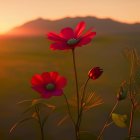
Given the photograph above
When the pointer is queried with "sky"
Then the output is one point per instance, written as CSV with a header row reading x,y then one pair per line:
x,y
16,12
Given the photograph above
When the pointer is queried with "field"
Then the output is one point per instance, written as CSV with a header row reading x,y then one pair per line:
x,y
21,58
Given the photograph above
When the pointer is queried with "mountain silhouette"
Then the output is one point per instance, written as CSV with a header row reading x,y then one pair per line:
x,y
40,26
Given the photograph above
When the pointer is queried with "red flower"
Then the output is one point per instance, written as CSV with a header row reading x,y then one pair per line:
x,y
70,39
48,84
95,73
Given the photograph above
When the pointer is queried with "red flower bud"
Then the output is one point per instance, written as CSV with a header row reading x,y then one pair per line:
x,y
95,73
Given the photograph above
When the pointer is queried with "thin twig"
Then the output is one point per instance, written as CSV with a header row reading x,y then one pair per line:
x,y
39,120
131,122
68,107
81,107
106,122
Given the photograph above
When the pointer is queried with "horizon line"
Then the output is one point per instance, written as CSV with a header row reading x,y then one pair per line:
x,y
78,16
60,18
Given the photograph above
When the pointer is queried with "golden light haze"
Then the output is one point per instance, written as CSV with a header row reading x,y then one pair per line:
x,y
17,12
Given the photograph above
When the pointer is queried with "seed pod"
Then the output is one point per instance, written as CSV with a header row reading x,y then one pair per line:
x,y
122,93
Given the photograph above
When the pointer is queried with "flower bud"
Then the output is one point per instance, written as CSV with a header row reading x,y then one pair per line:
x,y
95,73
122,93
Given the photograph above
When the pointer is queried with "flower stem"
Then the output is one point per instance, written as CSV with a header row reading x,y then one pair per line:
x,y
81,105
68,108
131,121
77,94
132,96
76,81
106,122
77,133
81,110
39,121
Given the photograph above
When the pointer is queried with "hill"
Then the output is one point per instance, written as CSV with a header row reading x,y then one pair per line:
x,y
40,26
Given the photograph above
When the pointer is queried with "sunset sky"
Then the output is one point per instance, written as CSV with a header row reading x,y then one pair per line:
x,y
17,12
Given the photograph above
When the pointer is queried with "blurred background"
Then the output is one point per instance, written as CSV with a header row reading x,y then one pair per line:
x,y
24,51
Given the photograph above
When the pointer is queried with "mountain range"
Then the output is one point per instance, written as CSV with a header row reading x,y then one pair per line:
x,y
40,26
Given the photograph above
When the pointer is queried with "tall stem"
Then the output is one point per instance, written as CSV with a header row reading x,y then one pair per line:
x,y
77,95
131,121
68,108
39,121
75,126
77,133
81,105
106,122
76,81
131,90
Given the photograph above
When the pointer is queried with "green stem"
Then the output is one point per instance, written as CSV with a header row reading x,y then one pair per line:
x,y
81,107
68,107
131,97
131,121
106,122
77,133
76,81
131,116
77,94
39,121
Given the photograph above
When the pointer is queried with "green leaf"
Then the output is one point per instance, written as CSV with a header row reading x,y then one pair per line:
x,y
18,123
119,120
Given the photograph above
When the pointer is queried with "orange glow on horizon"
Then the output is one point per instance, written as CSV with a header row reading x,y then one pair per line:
x,y
5,29
20,12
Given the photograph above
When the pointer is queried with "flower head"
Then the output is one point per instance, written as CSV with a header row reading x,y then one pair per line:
x,y
95,73
48,84
69,38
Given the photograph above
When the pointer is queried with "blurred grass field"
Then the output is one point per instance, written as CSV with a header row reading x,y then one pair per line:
x,y
21,58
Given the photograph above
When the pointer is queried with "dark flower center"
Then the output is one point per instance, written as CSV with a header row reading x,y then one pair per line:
x,y
50,86
72,41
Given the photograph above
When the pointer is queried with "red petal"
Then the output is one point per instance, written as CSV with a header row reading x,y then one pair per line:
x,y
59,46
54,75
79,28
37,80
89,34
48,95
39,89
84,41
46,77
57,92
55,37
67,33
95,73
61,82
